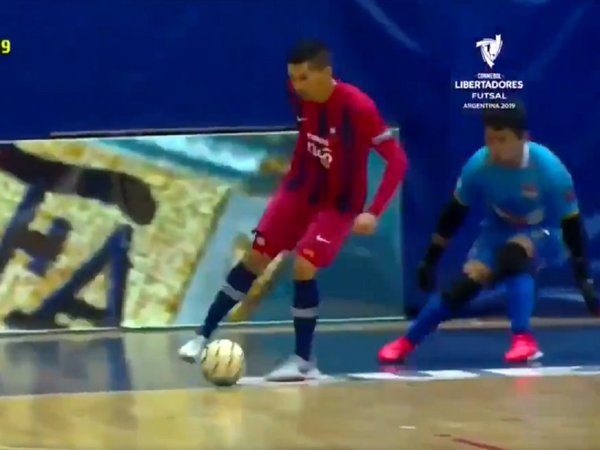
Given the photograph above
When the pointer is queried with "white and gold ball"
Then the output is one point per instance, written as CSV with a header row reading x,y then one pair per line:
x,y
222,362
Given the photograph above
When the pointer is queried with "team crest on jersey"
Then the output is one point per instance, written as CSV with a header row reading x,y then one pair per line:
x,y
320,148
530,191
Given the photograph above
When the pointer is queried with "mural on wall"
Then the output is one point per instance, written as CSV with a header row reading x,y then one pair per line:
x,y
95,234
132,231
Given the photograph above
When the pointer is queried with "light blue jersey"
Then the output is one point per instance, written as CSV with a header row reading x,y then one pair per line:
x,y
531,200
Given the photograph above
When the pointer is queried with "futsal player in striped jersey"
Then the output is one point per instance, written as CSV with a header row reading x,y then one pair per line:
x,y
320,201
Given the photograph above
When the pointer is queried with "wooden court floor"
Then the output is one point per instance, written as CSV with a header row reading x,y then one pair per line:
x,y
493,414
124,391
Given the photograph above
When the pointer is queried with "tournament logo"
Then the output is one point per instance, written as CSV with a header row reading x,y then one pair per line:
x,y
489,90
490,49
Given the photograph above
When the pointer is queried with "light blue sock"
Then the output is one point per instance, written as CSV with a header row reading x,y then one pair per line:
x,y
430,317
520,297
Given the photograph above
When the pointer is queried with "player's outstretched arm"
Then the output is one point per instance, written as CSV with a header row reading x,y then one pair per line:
x,y
451,219
575,238
564,202
455,212
395,169
372,128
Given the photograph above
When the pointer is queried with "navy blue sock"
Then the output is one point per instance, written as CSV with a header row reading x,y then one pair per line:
x,y
305,313
434,313
238,283
520,298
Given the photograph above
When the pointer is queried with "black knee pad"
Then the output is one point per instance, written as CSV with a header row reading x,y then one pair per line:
x,y
511,260
462,291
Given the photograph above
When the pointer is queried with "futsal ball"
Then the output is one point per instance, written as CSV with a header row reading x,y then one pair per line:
x,y
222,362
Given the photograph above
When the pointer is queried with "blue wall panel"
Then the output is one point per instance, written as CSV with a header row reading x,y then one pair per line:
x,y
165,64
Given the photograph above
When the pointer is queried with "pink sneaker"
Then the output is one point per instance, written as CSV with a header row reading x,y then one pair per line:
x,y
523,348
395,351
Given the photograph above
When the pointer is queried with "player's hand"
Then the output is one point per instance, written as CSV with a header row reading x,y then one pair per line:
x,y
365,224
590,296
426,277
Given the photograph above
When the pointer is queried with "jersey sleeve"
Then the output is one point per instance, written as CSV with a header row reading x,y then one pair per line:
x,y
467,188
371,125
560,190
380,137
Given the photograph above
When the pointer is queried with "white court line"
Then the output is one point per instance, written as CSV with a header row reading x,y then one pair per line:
x,y
350,378
184,326
262,325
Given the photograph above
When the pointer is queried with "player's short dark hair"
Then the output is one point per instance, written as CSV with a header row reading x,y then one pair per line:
x,y
503,118
313,52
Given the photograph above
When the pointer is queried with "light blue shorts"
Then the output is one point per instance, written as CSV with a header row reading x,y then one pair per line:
x,y
548,246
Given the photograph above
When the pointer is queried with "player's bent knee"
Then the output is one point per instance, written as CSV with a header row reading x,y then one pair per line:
x,y
304,269
524,242
511,260
256,262
463,290
478,271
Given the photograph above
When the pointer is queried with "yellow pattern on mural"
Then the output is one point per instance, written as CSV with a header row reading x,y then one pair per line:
x,y
163,254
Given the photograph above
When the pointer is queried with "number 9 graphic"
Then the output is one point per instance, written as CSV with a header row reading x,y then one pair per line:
x,y
5,47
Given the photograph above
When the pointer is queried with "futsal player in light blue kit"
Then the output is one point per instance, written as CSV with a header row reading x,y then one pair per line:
x,y
531,219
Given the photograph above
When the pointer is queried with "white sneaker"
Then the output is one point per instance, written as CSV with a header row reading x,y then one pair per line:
x,y
190,352
294,369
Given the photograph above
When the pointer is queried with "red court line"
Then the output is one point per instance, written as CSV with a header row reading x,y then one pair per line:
x,y
476,444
